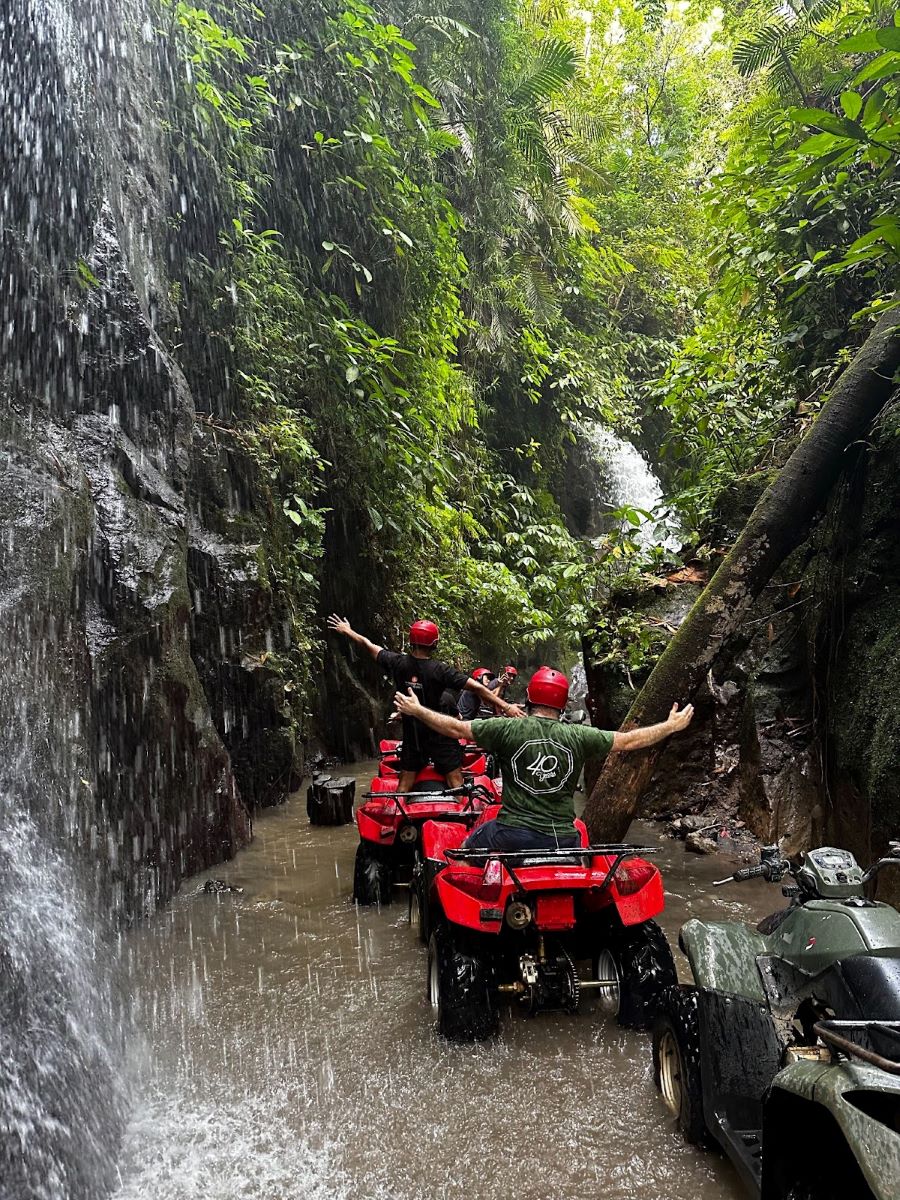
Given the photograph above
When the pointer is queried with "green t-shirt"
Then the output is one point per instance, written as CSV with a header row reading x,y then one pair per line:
x,y
541,761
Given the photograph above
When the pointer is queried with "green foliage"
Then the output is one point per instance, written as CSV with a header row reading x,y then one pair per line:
x,y
804,210
445,239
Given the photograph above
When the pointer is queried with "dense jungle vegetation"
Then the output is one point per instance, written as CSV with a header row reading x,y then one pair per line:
x,y
446,236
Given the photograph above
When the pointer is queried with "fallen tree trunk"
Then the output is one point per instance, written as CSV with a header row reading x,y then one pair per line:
x,y
778,524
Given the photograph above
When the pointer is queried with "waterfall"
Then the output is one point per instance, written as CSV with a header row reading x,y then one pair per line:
x,y
627,480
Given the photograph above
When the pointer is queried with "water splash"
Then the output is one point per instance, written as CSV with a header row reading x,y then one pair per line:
x,y
60,1102
221,1147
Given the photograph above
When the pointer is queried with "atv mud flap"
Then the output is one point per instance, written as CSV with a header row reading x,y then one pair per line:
x,y
740,1055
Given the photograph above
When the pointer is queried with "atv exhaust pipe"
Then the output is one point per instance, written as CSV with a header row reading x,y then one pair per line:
x,y
586,984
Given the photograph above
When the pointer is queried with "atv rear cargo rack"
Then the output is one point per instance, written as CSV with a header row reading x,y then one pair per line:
x,y
608,849
458,793
827,1031
561,856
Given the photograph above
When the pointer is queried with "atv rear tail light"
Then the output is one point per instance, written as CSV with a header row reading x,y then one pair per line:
x,y
492,879
632,876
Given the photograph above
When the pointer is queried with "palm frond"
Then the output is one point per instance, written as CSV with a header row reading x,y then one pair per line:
x,y
537,288
778,40
449,28
532,145
555,65
762,49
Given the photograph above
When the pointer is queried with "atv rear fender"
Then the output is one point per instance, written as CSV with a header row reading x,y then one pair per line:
x,y
642,905
723,957
440,836
848,1111
382,832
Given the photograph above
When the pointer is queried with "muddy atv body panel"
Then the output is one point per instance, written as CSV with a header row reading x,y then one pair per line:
x,y
539,930
786,1051
849,1107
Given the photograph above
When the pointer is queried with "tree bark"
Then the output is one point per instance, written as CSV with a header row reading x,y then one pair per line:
x,y
778,524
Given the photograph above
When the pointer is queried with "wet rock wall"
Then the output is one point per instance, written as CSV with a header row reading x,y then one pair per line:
x,y
139,626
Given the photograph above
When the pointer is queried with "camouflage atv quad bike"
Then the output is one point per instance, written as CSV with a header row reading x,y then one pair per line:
x,y
785,1050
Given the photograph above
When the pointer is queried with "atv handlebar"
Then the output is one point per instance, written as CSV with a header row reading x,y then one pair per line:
x,y
757,872
772,868
892,860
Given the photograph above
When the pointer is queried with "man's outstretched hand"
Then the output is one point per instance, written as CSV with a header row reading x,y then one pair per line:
x,y
340,625
679,719
406,705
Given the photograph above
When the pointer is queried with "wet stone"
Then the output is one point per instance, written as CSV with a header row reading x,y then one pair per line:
x,y
700,845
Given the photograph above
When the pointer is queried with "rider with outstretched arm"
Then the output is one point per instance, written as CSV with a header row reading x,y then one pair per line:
x,y
428,679
540,760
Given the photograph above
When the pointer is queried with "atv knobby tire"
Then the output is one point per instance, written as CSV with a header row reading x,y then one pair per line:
x,y
459,991
676,1060
645,969
419,921
373,878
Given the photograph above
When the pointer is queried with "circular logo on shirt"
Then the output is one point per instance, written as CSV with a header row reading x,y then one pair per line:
x,y
540,766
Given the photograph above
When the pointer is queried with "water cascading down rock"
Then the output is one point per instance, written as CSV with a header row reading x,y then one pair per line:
x,y
115,780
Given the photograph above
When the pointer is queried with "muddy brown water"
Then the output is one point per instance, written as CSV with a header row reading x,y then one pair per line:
x,y
283,1051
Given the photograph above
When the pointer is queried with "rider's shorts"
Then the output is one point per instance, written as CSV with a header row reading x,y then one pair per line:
x,y
446,754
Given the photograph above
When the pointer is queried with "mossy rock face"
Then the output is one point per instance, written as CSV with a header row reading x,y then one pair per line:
x,y
736,502
864,700
143,631
103,701
242,621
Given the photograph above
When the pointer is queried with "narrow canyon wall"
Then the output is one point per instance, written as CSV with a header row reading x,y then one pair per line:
x,y
139,623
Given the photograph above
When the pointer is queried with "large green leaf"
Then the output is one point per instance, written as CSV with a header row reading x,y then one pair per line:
x,y
873,39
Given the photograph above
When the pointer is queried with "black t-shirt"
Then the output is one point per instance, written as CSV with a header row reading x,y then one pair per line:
x,y
428,679
471,704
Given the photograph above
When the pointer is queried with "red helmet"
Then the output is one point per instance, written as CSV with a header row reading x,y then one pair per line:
x,y
423,633
548,688
511,672
479,673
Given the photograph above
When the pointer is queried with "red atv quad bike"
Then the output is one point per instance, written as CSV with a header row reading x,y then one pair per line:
x,y
538,928
390,824
475,761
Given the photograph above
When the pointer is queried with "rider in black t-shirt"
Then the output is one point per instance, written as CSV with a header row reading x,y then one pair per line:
x,y
428,680
469,703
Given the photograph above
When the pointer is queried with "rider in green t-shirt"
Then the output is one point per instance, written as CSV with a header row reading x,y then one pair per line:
x,y
540,760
